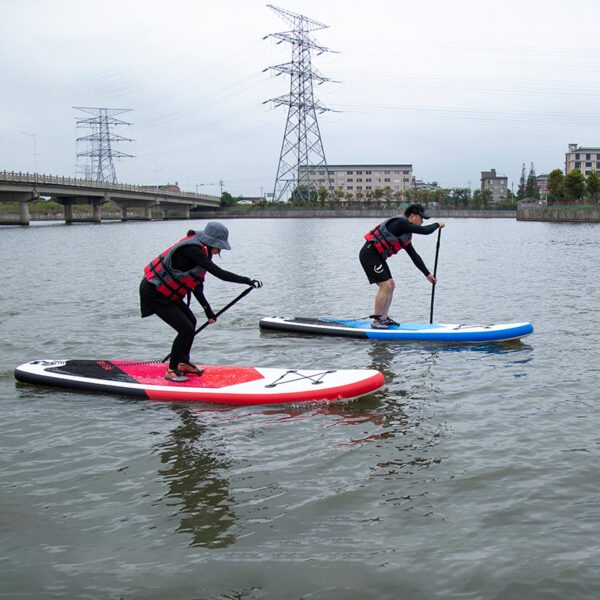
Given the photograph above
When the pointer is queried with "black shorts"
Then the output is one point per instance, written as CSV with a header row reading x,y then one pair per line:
x,y
376,268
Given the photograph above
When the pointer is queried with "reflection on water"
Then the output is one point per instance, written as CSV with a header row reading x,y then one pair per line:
x,y
200,476
194,476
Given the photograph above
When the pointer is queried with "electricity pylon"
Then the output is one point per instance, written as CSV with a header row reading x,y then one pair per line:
x,y
101,141
302,164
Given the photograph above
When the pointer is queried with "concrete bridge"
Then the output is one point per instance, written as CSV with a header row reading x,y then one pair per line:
x,y
68,191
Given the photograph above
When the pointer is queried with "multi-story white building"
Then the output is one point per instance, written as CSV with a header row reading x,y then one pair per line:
x,y
361,179
497,184
584,159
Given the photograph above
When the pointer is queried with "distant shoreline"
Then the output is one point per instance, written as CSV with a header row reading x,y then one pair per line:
x,y
525,212
84,216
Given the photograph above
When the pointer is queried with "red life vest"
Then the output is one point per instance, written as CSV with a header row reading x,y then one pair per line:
x,y
385,242
171,282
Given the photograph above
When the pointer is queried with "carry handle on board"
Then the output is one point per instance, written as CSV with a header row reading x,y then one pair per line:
x,y
437,251
218,314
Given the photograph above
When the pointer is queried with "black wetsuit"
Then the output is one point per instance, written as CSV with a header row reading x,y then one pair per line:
x,y
176,313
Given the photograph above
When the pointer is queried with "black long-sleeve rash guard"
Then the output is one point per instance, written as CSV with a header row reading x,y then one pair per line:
x,y
399,227
190,256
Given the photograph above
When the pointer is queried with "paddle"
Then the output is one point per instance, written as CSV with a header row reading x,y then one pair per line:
x,y
437,252
218,314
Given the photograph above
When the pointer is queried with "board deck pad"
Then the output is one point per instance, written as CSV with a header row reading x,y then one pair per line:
x,y
152,373
435,332
222,384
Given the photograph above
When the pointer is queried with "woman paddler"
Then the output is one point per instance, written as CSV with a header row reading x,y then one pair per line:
x,y
171,276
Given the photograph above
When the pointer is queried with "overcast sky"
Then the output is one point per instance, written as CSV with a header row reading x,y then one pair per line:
x,y
452,88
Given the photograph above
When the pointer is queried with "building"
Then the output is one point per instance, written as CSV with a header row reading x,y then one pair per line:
x,y
497,184
542,182
361,180
584,159
426,186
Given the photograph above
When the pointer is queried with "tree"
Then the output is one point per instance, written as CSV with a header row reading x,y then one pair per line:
x,y
378,194
532,189
441,196
227,199
322,194
387,192
593,186
460,196
338,195
574,185
555,186
486,197
303,195
521,194
415,195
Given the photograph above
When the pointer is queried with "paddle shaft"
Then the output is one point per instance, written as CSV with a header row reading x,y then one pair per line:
x,y
218,314
437,252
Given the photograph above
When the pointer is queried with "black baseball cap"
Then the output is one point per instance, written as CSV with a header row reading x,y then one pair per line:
x,y
416,209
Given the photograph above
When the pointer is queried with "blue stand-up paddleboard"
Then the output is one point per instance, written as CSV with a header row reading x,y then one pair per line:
x,y
423,332
221,384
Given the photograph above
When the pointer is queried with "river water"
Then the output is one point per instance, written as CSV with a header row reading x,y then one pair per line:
x,y
472,474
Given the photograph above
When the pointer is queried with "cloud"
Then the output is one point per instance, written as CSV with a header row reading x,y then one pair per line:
x,y
452,88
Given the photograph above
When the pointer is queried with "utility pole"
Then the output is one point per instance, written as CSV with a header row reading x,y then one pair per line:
x,y
101,140
302,165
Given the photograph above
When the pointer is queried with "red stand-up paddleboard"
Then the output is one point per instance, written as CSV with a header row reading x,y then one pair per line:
x,y
222,384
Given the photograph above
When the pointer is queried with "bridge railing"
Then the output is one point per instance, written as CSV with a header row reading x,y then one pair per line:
x,y
40,178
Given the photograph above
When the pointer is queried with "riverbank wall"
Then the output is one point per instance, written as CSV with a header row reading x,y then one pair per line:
x,y
557,213
525,212
275,212
342,213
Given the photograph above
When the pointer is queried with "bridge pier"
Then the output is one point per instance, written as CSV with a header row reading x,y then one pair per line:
x,y
146,207
96,212
24,212
68,204
24,198
179,212
69,201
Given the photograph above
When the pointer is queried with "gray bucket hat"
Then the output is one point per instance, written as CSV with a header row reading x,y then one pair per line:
x,y
215,235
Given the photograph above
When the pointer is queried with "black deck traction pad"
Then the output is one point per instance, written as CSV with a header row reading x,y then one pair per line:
x,y
312,320
303,325
95,369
